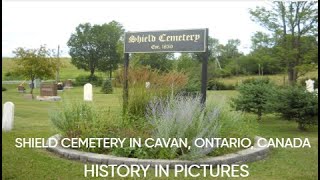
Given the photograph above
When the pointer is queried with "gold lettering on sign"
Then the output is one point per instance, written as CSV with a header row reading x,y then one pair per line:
x,y
164,38
141,39
178,38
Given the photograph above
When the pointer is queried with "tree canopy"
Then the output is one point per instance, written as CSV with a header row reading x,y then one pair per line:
x,y
35,63
291,24
96,47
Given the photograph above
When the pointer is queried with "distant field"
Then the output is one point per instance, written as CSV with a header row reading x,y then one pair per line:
x,y
68,71
279,79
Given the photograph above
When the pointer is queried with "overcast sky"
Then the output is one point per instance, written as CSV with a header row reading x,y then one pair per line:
x,y
33,23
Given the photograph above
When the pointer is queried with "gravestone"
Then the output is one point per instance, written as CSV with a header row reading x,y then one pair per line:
x,y
48,90
68,84
87,92
60,86
310,85
21,89
147,85
8,116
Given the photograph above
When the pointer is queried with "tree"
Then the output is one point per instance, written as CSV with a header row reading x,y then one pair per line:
x,y
254,96
96,47
186,63
297,104
264,54
289,22
214,48
159,61
261,40
35,63
230,54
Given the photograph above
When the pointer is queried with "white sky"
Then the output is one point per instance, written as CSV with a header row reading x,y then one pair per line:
x,y
32,23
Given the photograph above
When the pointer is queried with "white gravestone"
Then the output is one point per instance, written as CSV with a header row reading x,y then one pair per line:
x,y
8,116
147,85
87,94
309,85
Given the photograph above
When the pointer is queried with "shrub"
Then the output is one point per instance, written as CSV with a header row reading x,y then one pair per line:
x,y
82,120
295,103
217,85
107,87
12,76
185,117
4,89
161,85
264,80
140,75
192,88
140,97
83,79
254,96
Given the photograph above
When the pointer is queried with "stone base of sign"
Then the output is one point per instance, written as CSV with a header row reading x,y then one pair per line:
x,y
48,98
251,154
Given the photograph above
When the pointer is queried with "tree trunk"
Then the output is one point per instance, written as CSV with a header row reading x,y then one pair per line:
x,y
292,75
110,75
91,72
301,126
259,114
32,87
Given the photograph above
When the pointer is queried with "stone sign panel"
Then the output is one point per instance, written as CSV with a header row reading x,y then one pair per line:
x,y
193,40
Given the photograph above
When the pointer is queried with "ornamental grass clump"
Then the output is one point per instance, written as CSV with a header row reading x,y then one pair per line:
x,y
184,117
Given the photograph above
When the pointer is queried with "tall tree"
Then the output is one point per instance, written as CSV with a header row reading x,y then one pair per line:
x,y
96,47
111,49
159,61
214,48
264,53
230,55
35,63
289,22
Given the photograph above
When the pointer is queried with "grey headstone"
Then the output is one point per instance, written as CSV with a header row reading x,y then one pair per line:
x,y
8,116
87,92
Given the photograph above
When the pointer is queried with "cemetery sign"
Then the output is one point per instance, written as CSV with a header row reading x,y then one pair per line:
x,y
193,40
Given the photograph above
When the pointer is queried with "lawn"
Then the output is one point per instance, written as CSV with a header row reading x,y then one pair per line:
x,y
32,120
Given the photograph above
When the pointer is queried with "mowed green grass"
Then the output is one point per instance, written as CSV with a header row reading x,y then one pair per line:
x,y
32,120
